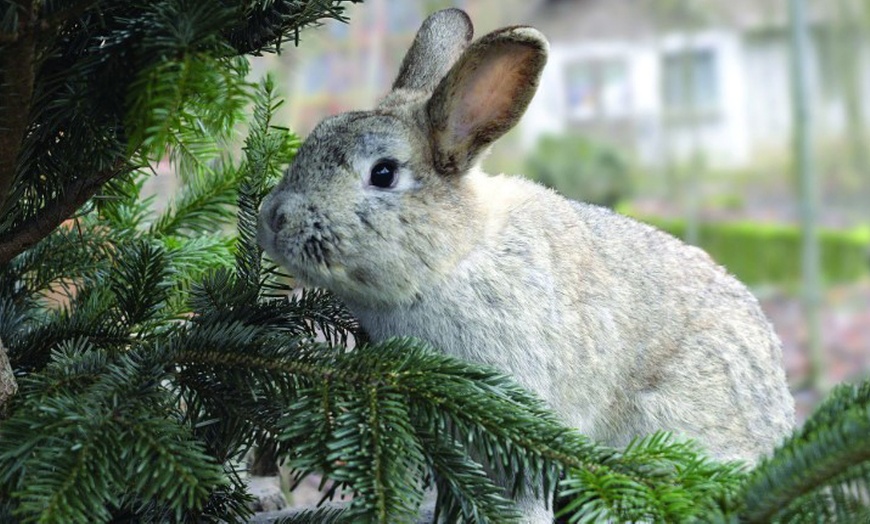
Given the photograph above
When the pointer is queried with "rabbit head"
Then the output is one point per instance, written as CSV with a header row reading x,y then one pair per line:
x,y
374,206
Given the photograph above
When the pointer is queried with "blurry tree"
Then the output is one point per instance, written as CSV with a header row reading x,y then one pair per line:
x,y
808,190
581,169
850,23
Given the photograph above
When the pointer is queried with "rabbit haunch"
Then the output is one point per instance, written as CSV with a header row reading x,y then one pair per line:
x,y
621,328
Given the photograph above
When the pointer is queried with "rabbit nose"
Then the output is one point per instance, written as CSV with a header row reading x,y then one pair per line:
x,y
277,219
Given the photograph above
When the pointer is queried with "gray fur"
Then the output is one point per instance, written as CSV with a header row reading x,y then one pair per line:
x,y
439,43
621,328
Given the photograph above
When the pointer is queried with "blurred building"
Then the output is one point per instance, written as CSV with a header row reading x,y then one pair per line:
x,y
674,79
340,67
669,80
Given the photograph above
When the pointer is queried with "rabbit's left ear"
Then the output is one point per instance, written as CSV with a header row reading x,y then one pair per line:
x,y
484,95
440,41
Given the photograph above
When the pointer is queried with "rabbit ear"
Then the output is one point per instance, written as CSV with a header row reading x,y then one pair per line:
x,y
440,41
484,95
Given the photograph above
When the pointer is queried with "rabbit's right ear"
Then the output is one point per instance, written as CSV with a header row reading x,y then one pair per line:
x,y
440,41
484,95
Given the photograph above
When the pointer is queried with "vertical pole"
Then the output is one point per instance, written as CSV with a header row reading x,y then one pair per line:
x,y
849,59
808,189
375,44
694,114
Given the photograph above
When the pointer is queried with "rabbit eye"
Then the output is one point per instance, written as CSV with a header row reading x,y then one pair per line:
x,y
384,174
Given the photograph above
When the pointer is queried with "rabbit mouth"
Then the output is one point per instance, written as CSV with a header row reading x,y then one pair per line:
x,y
310,252
306,259
313,251
293,253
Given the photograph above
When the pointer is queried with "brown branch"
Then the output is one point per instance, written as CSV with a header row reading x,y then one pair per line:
x,y
74,195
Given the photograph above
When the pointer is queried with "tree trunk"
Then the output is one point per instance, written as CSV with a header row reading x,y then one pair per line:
x,y
8,386
808,190
849,58
16,89
265,461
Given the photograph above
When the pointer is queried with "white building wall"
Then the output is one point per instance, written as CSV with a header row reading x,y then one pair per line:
x,y
724,138
768,99
720,137
546,112
549,111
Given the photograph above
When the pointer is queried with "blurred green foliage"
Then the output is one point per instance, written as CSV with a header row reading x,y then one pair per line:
x,y
581,169
770,253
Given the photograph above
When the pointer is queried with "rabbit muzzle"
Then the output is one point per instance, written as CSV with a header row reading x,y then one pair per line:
x,y
295,233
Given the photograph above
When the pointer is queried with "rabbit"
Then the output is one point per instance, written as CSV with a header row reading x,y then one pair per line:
x,y
622,329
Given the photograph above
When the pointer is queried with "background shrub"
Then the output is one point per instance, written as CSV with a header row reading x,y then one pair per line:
x,y
770,253
581,169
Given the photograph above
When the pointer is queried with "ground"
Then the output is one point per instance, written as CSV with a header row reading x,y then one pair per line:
x,y
845,333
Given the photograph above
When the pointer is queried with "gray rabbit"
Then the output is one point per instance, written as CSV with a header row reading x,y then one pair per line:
x,y
621,328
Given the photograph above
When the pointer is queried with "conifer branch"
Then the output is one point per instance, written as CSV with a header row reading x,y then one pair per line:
x,y
832,448
47,219
267,23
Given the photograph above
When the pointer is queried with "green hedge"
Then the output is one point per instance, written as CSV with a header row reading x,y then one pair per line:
x,y
771,253
580,168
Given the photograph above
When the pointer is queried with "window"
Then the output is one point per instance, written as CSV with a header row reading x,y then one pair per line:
x,y
690,83
597,89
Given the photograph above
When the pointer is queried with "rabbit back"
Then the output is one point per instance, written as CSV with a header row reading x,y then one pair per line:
x,y
622,328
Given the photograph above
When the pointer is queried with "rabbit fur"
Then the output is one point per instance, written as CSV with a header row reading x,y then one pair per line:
x,y
621,328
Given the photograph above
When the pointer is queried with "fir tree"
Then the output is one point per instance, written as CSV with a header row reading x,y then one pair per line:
x,y
152,350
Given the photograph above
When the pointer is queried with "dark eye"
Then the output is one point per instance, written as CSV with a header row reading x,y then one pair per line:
x,y
384,174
